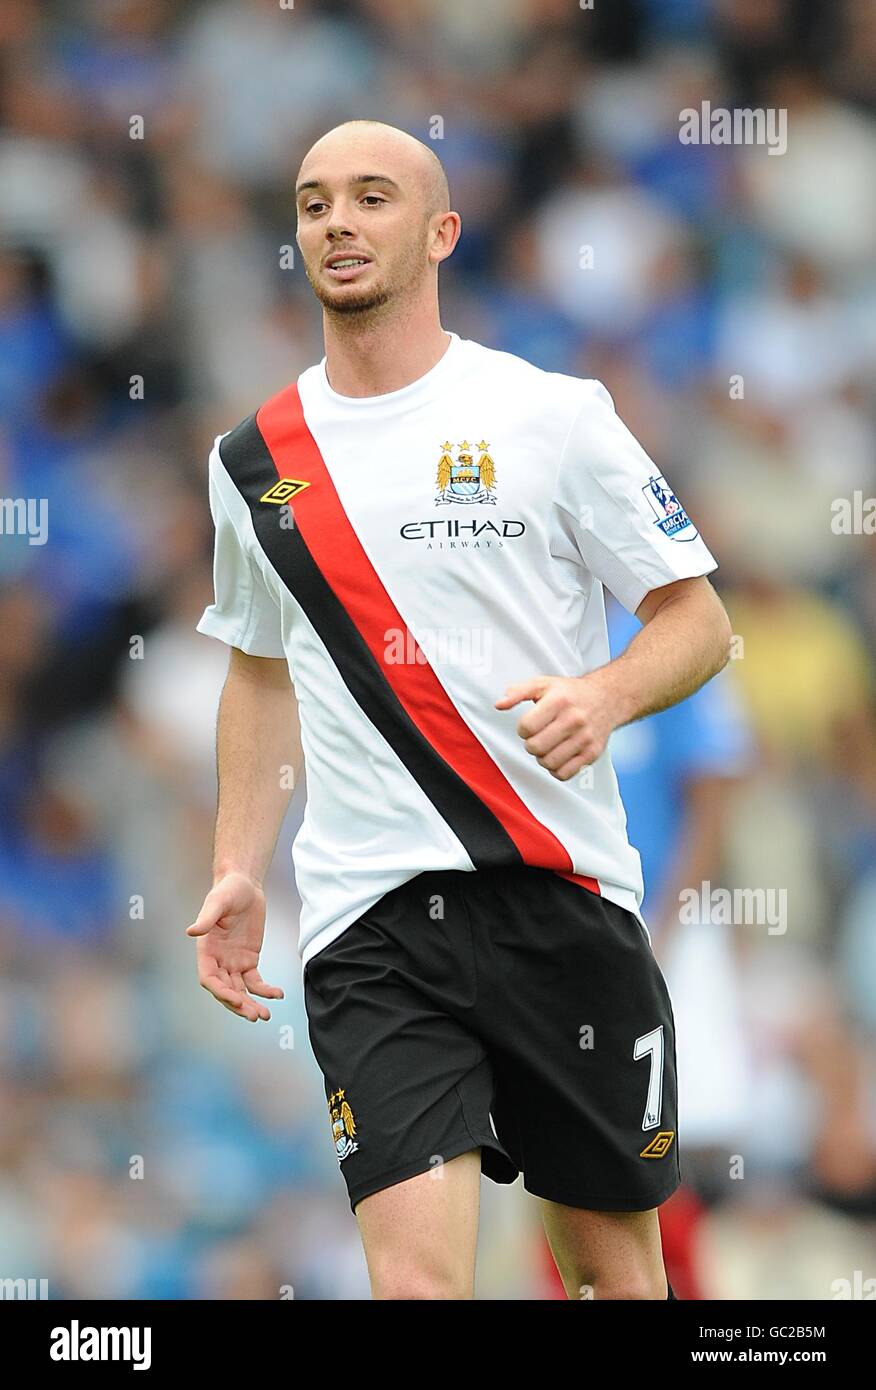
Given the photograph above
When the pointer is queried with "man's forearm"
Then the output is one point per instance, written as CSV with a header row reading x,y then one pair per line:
x,y
684,644
258,743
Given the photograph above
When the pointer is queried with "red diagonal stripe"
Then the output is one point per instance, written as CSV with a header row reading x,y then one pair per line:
x,y
335,548
585,882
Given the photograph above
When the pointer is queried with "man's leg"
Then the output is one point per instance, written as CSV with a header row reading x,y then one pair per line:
x,y
606,1254
420,1235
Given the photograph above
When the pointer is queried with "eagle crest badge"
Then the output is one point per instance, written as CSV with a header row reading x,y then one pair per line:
x,y
464,478
343,1125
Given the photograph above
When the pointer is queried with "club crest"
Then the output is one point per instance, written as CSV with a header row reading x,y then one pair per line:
x,y
464,478
343,1125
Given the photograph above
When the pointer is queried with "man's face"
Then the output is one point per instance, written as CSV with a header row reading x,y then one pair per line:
x,y
358,204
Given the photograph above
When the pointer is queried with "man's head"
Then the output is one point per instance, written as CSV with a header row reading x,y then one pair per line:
x,y
371,193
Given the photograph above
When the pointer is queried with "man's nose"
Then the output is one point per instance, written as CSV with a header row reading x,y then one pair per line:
x,y
341,222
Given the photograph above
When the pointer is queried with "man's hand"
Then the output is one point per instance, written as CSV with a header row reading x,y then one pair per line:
x,y
230,929
685,640
570,723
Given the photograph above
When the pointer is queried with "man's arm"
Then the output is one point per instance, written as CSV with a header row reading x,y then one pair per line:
x,y
684,642
258,743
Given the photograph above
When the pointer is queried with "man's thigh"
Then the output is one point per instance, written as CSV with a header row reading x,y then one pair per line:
x,y
420,1236
606,1254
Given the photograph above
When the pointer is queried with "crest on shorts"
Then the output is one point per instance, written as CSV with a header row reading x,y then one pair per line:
x,y
343,1125
672,519
660,1145
465,478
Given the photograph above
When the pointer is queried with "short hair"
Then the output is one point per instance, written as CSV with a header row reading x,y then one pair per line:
x,y
435,177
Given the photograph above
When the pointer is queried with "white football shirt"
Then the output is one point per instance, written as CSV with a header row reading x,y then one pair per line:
x,y
411,555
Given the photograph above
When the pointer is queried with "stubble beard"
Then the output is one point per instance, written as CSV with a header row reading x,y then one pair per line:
x,y
366,305
345,306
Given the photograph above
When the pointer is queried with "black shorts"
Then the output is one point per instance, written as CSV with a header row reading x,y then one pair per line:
x,y
509,1010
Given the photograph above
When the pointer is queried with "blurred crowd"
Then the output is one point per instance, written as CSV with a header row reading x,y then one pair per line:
x,y
151,296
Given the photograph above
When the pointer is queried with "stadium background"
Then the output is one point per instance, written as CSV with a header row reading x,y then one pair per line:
x,y
161,258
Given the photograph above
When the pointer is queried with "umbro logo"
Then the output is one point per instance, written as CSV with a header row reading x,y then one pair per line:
x,y
659,1145
283,490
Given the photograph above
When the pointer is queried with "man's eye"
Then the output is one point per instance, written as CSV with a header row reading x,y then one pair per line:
x,y
314,207
373,198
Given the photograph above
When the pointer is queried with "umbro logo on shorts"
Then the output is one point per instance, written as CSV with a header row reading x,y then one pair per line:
x,y
659,1145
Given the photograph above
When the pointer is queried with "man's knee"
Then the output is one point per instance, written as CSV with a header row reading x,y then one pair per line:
x,y
628,1284
412,1281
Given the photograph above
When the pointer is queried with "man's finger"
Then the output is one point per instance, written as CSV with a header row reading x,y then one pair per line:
x,y
233,1000
200,928
544,718
245,1011
217,905
543,731
569,769
204,923
561,753
256,985
225,993
260,1010
526,690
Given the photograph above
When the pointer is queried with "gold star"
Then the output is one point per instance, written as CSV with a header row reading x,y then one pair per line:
x,y
447,446
465,444
483,446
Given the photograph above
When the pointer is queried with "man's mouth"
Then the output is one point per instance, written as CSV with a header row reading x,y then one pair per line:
x,y
345,267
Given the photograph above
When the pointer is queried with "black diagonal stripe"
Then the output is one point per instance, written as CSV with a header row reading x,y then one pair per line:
x,y
248,462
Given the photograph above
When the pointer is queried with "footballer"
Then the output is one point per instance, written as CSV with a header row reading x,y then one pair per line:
x,y
411,547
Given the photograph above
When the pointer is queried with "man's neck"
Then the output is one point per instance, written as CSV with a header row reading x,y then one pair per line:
x,y
372,359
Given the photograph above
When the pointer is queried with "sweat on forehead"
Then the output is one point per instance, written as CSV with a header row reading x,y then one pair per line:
x,y
400,153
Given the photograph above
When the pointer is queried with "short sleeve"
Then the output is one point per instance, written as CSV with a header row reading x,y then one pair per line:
x,y
244,613
621,513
